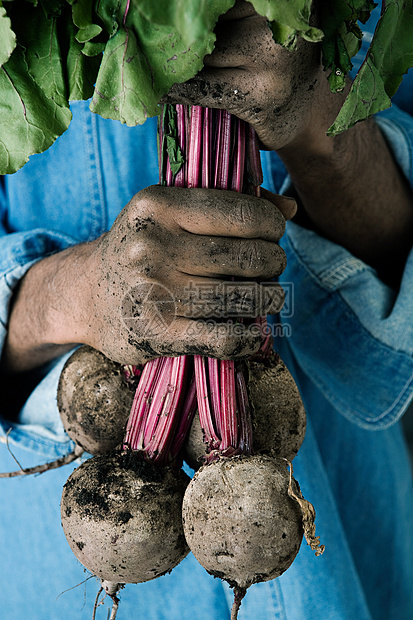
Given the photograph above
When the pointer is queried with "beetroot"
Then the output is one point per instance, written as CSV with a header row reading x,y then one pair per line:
x,y
278,414
122,517
94,400
240,522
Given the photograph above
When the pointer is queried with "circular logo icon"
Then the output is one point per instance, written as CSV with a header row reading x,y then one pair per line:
x,y
148,309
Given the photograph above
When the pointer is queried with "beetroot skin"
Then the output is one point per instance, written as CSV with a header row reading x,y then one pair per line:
x,y
240,522
94,400
122,517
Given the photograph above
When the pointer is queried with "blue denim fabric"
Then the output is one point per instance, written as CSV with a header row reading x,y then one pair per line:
x,y
345,336
359,317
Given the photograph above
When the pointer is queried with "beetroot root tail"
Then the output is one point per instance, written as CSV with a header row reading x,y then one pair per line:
x,y
239,594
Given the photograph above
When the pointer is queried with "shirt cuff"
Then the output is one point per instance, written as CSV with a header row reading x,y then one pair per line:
x,y
18,252
38,426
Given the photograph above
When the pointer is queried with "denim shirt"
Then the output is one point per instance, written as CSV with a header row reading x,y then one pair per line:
x,y
346,337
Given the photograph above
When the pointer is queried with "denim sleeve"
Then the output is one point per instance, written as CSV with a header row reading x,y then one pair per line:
x,y
18,252
42,429
353,334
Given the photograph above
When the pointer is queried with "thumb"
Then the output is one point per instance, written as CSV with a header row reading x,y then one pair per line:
x,y
286,205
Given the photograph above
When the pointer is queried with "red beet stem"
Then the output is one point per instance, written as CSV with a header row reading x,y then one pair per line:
x,y
223,150
245,441
237,182
141,404
187,415
215,392
181,112
211,437
206,148
195,147
229,414
168,417
162,393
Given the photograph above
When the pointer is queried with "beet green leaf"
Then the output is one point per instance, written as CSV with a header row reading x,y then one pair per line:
x,y
389,57
126,54
7,37
29,121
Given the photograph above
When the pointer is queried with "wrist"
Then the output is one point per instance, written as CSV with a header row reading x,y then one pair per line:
x,y
312,144
68,279
49,310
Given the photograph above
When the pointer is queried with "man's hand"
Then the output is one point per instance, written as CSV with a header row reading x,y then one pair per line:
x,y
274,89
349,188
141,290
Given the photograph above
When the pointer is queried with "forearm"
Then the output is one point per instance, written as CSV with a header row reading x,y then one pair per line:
x,y
47,317
352,191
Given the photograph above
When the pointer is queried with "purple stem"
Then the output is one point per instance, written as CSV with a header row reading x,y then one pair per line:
x,y
159,396
187,415
126,13
168,418
239,165
223,151
168,174
161,152
229,421
141,401
206,148
181,111
215,392
140,439
205,418
217,128
195,147
245,441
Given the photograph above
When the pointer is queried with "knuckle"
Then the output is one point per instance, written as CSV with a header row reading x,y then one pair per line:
x,y
227,348
144,205
235,345
141,221
137,255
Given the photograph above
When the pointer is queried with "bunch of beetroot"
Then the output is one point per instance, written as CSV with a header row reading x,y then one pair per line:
x,y
130,514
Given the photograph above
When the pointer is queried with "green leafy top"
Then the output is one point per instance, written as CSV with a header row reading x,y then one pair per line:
x,y
125,54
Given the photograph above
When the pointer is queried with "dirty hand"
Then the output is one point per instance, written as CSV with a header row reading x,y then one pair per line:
x,y
166,264
277,91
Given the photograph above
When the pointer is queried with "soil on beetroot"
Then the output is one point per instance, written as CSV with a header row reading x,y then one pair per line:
x,y
278,415
239,520
122,517
94,400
